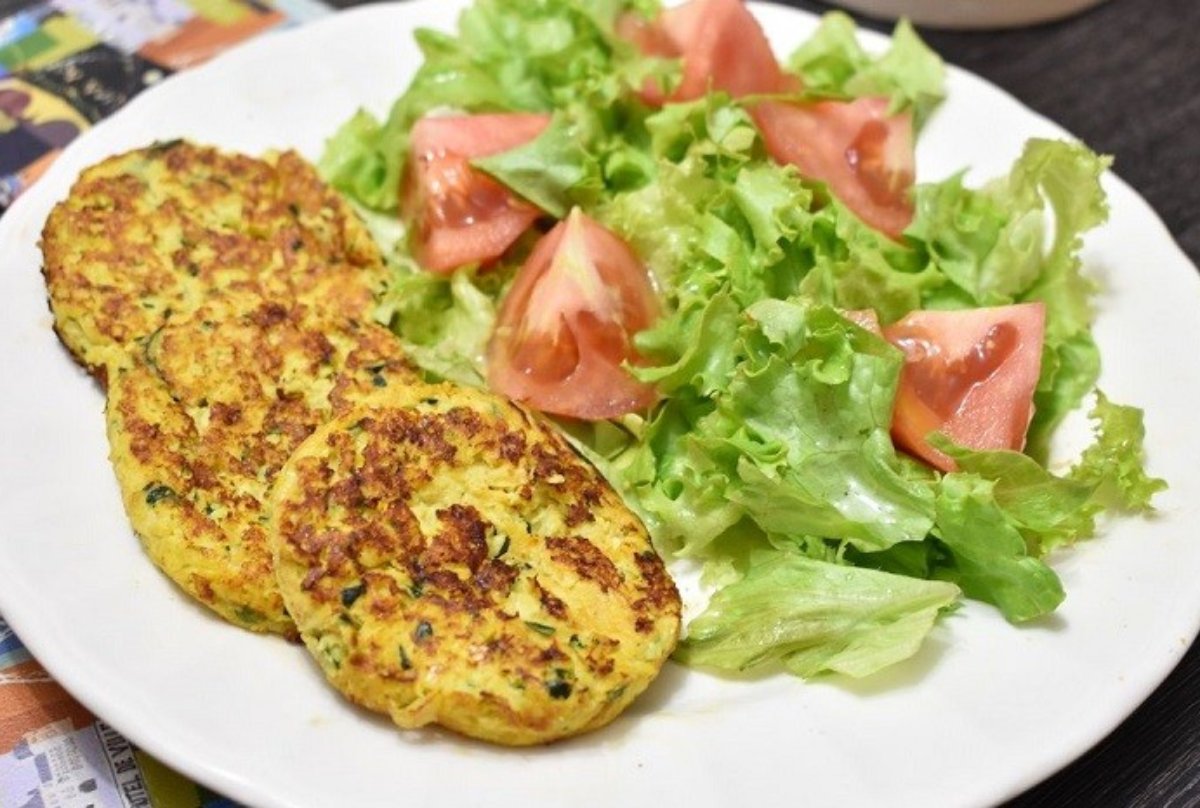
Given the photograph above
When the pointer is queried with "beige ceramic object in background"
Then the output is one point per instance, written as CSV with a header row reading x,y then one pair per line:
x,y
971,13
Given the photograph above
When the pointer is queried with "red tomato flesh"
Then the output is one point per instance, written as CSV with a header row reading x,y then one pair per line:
x,y
721,44
566,325
460,215
969,374
863,154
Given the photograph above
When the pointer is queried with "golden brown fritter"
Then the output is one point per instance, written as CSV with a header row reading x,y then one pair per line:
x,y
449,559
161,230
204,416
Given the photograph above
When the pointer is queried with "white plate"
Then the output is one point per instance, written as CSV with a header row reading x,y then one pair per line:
x,y
982,712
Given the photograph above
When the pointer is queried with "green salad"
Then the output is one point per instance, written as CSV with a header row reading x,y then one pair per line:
x,y
767,449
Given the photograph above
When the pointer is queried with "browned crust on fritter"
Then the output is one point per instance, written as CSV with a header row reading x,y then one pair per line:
x,y
204,417
159,231
433,572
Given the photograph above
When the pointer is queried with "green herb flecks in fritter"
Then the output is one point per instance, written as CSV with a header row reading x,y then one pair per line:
x,y
159,231
204,417
450,560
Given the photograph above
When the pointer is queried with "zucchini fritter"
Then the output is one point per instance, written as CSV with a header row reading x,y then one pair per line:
x,y
160,230
448,559
203,417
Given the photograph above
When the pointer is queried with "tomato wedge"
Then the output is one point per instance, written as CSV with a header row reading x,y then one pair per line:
x,y
566,325
721,44
459,214
969,374
863,154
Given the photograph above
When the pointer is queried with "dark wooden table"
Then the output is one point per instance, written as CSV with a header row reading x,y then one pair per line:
x,y
1125,78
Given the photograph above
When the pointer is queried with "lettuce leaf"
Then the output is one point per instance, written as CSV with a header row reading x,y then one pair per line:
x,y
833,63
720,211
988,556
1009,491
444,324
795,440
815,617
554,171
1114,461
1049,509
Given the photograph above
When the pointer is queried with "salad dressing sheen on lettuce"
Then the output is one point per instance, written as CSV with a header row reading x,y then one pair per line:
x,y
768,456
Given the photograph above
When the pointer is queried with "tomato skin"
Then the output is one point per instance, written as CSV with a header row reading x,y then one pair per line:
x,y
863,154
969,374
567,323
721,44
459,214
